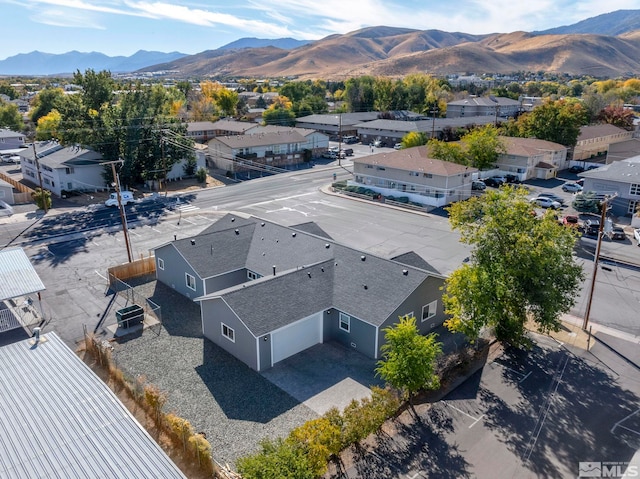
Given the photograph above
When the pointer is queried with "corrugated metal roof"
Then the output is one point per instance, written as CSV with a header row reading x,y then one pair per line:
x,y
58,419
17,276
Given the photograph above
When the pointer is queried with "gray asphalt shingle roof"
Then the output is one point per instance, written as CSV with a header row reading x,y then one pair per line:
x,y
624,171
312,274
58,419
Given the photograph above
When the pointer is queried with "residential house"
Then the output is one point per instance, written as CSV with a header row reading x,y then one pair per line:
x,y
11,142
200,152
316,143
594,141
279,149
390,132
412,173
621,178
6,192
201,131
268,291
72,168
226,127
623,150
531,158
336,124
494,106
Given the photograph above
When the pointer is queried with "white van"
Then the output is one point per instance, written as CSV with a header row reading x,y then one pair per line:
x,y
126,197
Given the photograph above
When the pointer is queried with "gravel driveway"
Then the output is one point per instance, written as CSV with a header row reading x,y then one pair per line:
x,y
219,395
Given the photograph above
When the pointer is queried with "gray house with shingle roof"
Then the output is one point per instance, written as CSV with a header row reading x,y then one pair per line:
x,y
268,292
621,178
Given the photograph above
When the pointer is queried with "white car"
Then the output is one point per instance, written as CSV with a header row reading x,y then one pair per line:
x,y
126,197
544,202
636,235
572,187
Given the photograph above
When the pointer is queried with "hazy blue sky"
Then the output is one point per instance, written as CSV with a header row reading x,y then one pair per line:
x,y
122,27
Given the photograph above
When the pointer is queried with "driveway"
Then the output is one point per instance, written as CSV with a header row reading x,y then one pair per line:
x,y
325,376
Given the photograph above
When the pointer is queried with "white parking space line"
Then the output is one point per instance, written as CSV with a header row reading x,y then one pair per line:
x,y
619,424
475,419
156,230
517,373
189,221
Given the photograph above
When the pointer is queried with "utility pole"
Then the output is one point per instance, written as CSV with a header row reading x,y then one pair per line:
x,y
123,217
35,157
339,139
164,164
603,217
433,112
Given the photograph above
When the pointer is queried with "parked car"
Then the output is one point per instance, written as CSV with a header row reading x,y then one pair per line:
x,y
591,227
553,196
571,221
617,233
478,185
126,197
593,167
349,140
572,187
544,202
495,181
515,179
346,152
331,155
576,169
636,235
379,144
397,146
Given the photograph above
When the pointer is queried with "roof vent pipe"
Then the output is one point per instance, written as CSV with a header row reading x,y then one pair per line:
x,y
274,269
193,242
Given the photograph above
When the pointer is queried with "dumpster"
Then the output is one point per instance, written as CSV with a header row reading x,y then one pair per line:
x,y
130,316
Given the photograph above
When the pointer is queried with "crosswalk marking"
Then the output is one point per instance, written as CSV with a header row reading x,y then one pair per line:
x,y
185,208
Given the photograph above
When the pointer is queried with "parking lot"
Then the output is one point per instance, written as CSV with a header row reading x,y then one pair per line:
x,y
535,414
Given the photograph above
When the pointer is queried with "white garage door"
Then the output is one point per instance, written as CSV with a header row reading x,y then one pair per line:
x,y
296,337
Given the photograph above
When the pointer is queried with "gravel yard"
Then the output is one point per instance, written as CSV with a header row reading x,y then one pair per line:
x,y
219,395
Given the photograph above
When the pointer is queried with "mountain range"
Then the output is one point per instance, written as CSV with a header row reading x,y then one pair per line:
x,y
604,46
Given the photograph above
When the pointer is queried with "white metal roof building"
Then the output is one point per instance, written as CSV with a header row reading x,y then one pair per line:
x,y
59,420
17,275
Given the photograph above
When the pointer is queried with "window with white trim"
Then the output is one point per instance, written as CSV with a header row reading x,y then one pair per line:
x,y
251,275
632,208
191,281
634,189
345,322
160,263
228,332
429,310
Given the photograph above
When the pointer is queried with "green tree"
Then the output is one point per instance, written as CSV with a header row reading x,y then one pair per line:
x,y
521,268
279,459
448,151
42,198
97,88
320,439
408,358
414,138
45,101
558,121
10,117
48,126
483,146
275,115
10,91
227,101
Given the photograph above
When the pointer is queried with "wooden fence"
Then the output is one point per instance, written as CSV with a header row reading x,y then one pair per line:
x,y
135,269
24,192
